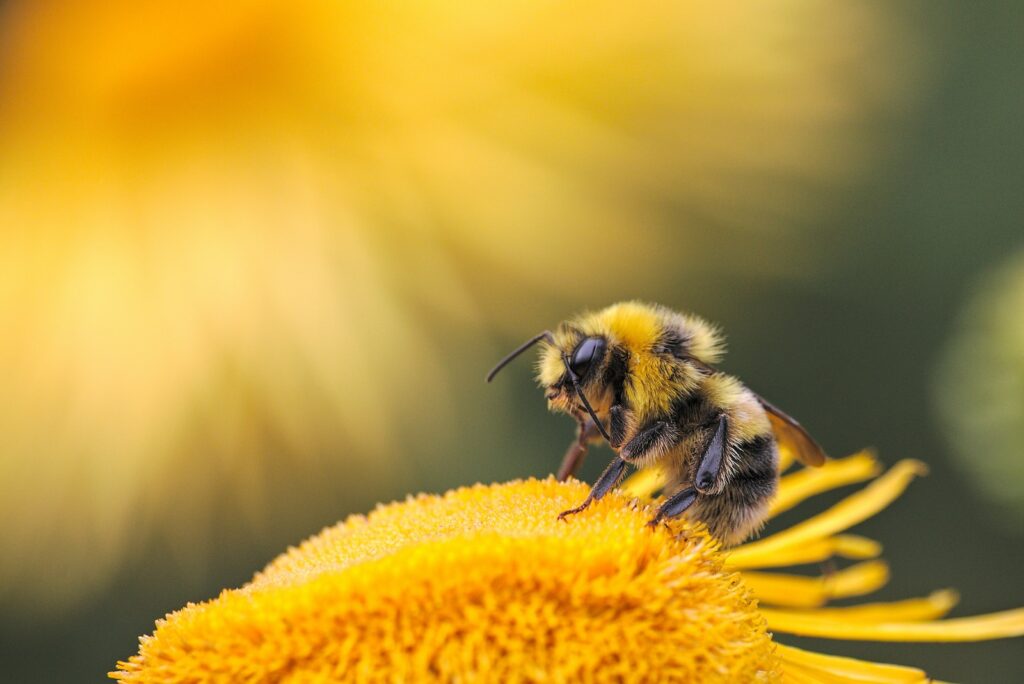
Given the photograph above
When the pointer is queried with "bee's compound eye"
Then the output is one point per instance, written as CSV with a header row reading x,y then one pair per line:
x,y
585,353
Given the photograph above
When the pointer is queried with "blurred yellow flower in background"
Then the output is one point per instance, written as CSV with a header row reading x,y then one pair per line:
x,y
231,233
980,391
486,584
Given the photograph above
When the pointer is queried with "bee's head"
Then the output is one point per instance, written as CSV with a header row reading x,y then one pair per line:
x,y
570,370
575,360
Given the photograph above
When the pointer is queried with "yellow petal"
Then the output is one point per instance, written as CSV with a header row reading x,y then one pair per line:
x,y
844,545
827,677
807,592
936,605
1008,623
848,512
796,675
805,483
786,458
644,483
834,668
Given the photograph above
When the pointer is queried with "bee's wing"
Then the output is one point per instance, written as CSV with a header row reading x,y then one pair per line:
x,y
790,434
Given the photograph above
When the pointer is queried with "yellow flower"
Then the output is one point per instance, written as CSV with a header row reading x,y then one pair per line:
x,y
247,227
484,584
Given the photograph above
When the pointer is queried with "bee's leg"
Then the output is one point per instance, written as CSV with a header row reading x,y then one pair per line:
x,y
707,475
571,461
609,478
577,451
675,505
711,460
617,422
653,440
738,504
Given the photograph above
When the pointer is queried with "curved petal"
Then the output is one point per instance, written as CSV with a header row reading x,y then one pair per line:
x,y
853,509
1002,625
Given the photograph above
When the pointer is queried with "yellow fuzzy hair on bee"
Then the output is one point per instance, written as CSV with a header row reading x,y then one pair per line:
x,y
641,326
643,377
642,330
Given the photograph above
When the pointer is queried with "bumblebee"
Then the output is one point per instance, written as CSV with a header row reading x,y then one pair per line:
x,y
643,378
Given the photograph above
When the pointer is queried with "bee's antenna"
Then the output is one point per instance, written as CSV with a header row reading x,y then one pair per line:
x,y
550,339
583,398
546,336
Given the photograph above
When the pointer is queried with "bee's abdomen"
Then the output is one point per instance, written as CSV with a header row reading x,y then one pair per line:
x,y
757,459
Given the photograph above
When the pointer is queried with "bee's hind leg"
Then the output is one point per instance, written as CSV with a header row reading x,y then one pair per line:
x,y
711,461
675,506
707,475
609,478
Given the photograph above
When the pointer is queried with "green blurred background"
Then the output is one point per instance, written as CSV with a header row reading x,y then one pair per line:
x,y
257,258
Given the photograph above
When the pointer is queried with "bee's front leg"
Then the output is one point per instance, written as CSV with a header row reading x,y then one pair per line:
x,y
650,443
577,451
618,423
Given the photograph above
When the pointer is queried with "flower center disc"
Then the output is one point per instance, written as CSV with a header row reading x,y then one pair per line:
x,y
481,583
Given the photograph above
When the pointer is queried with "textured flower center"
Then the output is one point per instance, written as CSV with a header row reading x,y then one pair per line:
x,y
483,583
